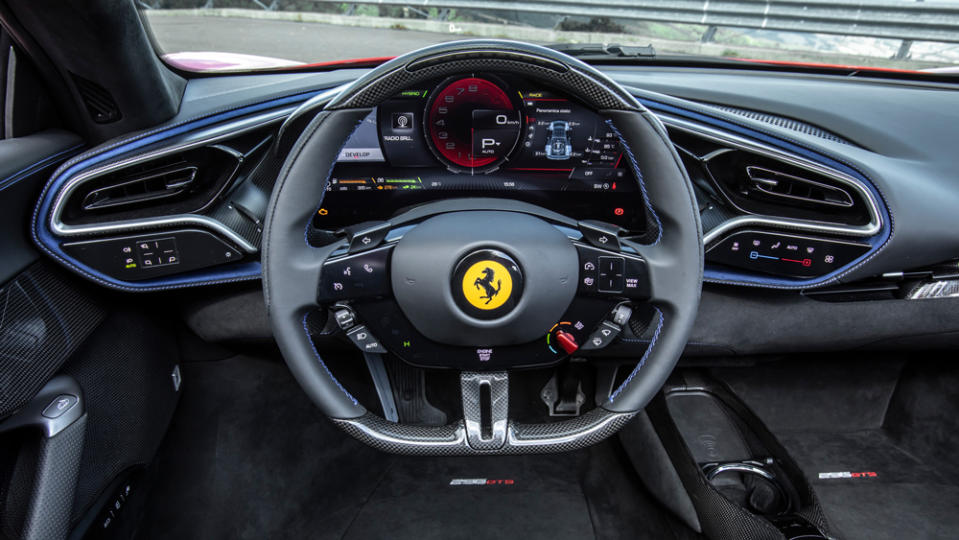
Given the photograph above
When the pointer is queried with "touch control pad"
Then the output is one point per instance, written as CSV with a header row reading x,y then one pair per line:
x,y
154,252
134,258
608,273
784,254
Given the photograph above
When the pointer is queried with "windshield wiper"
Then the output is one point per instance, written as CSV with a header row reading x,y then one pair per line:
x,y
604,50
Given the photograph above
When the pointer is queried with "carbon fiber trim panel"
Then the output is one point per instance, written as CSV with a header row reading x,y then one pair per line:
x,y
472,384
580,432
489,55
43,319
52,485
263,176
784,122
231,218
450,440
714,216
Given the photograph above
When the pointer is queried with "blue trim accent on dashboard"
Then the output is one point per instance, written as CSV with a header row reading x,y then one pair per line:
x,y
46,240
744,278
38,166
251,270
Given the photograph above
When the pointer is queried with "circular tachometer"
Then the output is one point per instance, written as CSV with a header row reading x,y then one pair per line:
x,y
472,125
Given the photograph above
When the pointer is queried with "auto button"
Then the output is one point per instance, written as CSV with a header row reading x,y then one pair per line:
x,y
365,341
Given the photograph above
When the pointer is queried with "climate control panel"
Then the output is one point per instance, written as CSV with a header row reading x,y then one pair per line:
x,y
782,254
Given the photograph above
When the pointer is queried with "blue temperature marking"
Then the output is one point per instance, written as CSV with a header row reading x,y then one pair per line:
x,y
755,255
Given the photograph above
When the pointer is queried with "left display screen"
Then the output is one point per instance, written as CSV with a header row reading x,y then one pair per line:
x,y
482,135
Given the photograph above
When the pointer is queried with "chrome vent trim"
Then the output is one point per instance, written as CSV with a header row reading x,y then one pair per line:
x,y
171,180
203,137
873,227
770,183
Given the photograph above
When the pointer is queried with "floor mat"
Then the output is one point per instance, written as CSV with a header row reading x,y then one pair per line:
x,y
249,456
515,497
871,488
876,478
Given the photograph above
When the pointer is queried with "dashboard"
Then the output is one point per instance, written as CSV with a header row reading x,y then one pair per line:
x,y
483,135
896,162
816,187
186,206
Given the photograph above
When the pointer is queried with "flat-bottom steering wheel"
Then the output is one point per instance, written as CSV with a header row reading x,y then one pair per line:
x,y
517,239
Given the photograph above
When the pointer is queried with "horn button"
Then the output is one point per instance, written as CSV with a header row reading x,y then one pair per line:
x,y
484,278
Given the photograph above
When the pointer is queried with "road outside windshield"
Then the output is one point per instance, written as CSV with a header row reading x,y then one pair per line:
x,y
239,35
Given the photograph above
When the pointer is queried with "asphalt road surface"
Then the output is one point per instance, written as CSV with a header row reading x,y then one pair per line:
x,y
303,42
317,42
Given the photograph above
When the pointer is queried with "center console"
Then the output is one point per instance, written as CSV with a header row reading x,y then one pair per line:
x,y
708,458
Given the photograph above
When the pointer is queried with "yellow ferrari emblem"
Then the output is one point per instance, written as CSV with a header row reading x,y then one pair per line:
x,y
487,285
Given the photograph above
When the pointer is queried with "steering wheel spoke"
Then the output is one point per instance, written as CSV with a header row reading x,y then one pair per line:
x,y
659,279
485,408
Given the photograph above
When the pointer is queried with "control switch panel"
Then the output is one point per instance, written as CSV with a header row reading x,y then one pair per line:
x,y
135,258
784,255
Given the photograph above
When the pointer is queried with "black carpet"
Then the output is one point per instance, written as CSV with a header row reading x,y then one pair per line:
x,y
529,497
907,498
249,456
884,422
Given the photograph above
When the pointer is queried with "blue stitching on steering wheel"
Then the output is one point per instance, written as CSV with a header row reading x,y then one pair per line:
x,y
642,361
326,181
639,178
322,363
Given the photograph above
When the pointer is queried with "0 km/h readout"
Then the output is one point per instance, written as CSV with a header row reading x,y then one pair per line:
x,y
472,125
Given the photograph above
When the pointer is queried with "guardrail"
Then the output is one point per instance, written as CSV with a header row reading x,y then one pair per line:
x,y
904,20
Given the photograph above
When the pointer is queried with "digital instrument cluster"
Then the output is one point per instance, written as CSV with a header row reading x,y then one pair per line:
x,y
482,135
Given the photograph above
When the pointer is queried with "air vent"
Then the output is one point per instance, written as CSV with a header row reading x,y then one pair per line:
x,y
795,190
157,184
178,183
100,104
739,180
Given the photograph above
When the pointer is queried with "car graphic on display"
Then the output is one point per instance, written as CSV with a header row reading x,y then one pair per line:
x,y
558,146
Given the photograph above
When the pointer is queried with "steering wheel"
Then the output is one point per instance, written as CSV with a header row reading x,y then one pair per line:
x,y
420,273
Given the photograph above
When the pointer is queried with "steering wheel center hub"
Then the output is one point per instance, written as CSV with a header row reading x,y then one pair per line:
x,y
487,284
484,278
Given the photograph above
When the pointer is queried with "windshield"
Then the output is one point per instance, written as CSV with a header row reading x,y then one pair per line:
x,y
241,35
